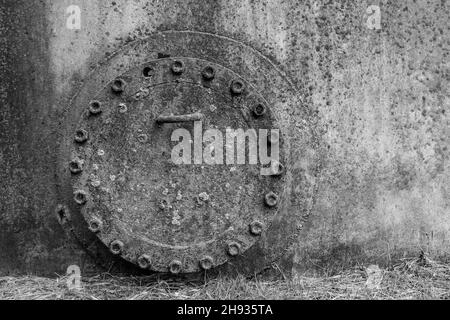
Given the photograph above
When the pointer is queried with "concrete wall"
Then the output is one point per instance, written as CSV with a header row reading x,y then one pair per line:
x,y
382,96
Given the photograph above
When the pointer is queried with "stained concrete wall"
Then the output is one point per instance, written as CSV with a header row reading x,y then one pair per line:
x,y
381,94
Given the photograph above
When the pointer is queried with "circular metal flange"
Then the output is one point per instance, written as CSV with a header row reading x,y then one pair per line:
x,y
154,204
167,216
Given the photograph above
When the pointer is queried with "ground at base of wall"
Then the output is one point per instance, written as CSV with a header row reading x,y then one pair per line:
x,y
412,279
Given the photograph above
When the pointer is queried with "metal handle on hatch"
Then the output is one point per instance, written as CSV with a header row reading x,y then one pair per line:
x,y
180,118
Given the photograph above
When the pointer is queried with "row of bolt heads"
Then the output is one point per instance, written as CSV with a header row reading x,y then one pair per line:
x,y
175,266
233,248
237,87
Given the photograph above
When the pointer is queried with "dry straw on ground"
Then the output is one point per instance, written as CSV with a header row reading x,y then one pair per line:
x,y
412,279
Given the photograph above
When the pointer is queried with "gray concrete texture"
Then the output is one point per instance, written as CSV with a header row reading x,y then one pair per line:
x,y
381,94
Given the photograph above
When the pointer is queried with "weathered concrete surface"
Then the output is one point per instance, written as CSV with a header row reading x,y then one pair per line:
x,y
382,97
30,238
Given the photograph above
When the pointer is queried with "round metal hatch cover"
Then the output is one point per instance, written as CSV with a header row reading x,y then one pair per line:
x,y
170,210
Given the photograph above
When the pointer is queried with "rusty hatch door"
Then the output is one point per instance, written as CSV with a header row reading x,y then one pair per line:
x,y
122,188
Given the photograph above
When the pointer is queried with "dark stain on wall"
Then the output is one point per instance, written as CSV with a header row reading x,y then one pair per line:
x,y
30,239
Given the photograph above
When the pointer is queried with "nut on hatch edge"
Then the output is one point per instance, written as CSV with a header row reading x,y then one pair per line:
x,y
80,197
208,73
206,263
237,87
118,85
95,225
95,107
233,249
76,166
271,199
144,261
256,228
81,136
116,247
259,110
177,67
175,267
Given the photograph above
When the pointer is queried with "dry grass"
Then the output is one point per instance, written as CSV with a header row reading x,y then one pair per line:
x,y
412,279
